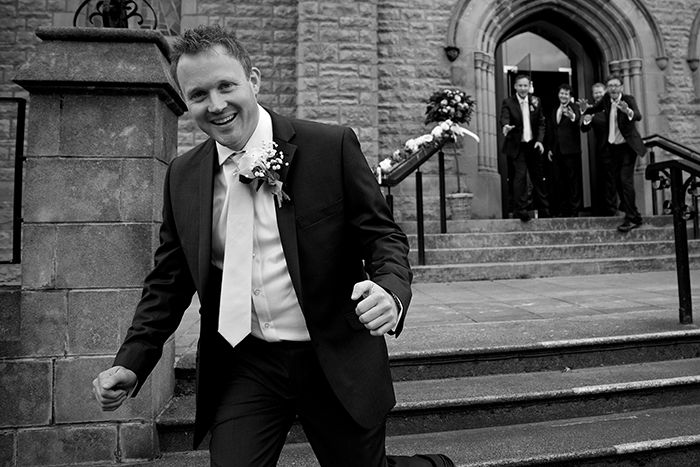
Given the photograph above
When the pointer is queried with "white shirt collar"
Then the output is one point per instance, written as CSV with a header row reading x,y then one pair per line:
x,y
521,100
262,132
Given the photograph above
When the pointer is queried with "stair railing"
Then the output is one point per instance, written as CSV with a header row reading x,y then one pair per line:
x,y
669,174
403,170
17,193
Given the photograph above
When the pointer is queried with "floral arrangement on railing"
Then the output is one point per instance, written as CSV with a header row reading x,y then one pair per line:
x,y
449,107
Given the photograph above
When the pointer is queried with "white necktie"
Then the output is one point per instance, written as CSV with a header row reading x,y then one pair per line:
x,y
235,306
613,123
527,129
559,113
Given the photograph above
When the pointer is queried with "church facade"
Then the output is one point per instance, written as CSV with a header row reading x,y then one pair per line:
x,y
372,64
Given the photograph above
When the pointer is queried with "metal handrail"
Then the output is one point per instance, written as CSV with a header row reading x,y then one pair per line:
x,y
669,174
414,166
675,148
17,196
679,150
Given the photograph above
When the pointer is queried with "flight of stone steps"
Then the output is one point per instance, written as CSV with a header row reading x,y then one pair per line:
x,y
606,389
620,389
511,249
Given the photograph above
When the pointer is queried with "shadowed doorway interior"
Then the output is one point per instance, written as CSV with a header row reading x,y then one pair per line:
x,y
553,51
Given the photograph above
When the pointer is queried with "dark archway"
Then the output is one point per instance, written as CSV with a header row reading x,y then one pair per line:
x,y
587,63
604,36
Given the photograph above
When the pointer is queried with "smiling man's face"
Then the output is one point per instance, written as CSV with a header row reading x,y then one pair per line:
x,y
219,95
522,87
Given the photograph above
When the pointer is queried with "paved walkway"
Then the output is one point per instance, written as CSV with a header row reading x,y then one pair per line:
x,y
522,299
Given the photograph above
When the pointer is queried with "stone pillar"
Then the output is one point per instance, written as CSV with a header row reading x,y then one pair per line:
x,y
102,128
486,181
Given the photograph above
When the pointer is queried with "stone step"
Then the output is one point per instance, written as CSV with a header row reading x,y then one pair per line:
x,y
512,254
545,268
447,404
447,354
666,437
495,400
659,437
460,349
550,224
540,238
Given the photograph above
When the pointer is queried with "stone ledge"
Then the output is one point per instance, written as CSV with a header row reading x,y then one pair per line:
x,y
47,33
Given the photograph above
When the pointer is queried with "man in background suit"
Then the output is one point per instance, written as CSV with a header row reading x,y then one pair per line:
x,y
327,277
523,124
624,144
597,123
564,140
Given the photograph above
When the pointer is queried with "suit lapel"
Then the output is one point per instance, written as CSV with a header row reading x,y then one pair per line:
x,y
207,167
283,131
516,103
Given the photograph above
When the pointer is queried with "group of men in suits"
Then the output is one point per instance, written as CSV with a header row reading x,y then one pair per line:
x,y
613,119
327,277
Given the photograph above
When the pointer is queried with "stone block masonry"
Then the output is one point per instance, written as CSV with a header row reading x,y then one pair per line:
x,y
96,159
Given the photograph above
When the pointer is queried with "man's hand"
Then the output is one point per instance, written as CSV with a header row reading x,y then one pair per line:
x,y
539,147
113,386
568,112
623,106
583,104
549,155
507,128
377,310
587,119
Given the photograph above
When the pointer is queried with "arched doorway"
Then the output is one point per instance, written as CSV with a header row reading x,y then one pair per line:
x,y
600,37
559,51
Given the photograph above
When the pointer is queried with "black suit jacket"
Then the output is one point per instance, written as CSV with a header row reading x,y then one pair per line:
x,y
627,127
512,115
564,137
600,131
336,218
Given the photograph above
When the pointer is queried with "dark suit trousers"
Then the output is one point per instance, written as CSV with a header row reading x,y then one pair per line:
x,y
528,160
622,162
568,169
609,185
264,387
262,390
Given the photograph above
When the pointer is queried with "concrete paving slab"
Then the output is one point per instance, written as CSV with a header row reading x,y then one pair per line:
x,y
524,311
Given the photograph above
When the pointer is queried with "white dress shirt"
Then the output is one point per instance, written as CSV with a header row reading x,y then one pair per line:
x,y
614,134
276,313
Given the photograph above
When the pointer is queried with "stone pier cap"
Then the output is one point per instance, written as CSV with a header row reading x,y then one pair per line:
x,y
101,60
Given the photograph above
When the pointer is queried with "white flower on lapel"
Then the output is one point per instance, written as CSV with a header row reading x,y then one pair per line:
x,y
534,102
263,165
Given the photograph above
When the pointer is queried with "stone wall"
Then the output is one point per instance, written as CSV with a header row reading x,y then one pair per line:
x,y
96,160
679,101
388,51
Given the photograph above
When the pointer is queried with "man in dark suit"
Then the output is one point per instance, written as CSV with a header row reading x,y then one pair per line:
x,y
327,276
564,140
523,124
597,122
623,143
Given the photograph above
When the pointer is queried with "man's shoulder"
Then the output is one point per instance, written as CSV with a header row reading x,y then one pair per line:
x,y
305,128
194,155
317,126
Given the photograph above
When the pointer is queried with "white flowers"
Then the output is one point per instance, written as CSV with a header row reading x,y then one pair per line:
x,y
443,131
263,164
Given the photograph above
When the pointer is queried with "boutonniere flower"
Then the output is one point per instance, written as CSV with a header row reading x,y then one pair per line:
x,y
263,165
534,102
